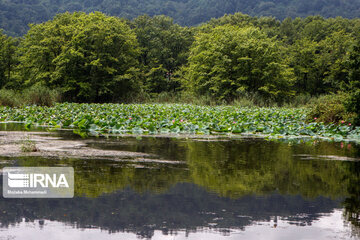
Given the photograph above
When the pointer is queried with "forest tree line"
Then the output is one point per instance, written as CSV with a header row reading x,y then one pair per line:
x,y
97,58
15,15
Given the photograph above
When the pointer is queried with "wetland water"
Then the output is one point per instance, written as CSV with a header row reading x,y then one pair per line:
x,y
186,188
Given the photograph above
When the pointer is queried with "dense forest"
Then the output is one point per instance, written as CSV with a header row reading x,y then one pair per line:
x,y
15,15
97,58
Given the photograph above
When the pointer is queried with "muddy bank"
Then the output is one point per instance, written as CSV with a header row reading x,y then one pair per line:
x,y
48,145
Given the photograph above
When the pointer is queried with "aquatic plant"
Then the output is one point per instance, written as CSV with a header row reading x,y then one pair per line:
x,y
180,119
28,145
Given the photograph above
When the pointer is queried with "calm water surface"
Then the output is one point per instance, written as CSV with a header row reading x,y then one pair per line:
x,y
201,189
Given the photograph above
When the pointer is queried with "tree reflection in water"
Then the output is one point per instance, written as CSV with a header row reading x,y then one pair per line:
x,y
220,184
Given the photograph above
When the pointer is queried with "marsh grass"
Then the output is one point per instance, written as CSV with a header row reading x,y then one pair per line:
x,y
28,145
9,98
36,95
41,95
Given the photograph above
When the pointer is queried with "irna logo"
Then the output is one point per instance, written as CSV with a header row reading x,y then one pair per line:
x,y
36,180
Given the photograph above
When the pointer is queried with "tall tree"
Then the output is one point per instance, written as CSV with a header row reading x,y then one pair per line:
x,y
353,104
7,59
164,48
354,66
89,57
228,61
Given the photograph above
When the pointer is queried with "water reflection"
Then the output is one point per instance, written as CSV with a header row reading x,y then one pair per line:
x,y
320,229
184,207
221,187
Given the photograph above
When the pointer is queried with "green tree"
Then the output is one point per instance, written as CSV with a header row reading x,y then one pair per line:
x,y
336,48
354,66
91,58
164,48
7,59
227,61
288,30
353,104
304,54
15,14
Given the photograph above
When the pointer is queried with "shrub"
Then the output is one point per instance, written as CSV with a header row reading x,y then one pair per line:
x,y
9,98
201,100
353,105
28,145
254,99
300,100
164,97
330,109
41,95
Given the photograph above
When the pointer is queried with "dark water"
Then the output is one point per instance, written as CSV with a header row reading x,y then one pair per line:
x,y
206,189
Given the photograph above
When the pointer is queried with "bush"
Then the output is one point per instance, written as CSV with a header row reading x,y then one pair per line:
x,y
9,98
353,105
254,99
300,100
201,100
41,95
331,109
28,145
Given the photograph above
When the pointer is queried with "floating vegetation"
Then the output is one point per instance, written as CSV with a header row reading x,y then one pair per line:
x,y
273,123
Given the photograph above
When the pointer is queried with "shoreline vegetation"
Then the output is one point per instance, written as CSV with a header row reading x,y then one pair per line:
x,y
174,119
75,70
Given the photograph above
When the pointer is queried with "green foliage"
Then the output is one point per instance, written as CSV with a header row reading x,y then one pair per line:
x,y
90,58
15,15
354,66
308,75
9,98
249,60
35,95
40,95
251,100
334,60
177,119
353,105
227,61
331,109
164,48
300,100
320,67
7,59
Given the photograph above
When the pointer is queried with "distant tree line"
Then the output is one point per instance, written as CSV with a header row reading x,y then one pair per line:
x,y
97,58
15,15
